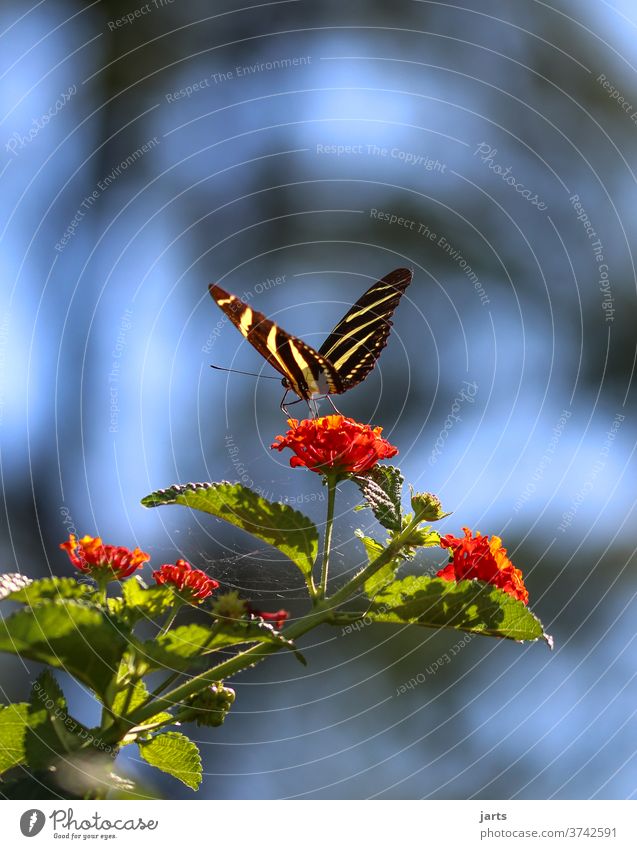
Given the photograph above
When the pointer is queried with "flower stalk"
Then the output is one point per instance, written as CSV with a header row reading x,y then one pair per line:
x,y
329,524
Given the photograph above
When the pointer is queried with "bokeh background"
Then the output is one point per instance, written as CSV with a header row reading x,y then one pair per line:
x,y
144,157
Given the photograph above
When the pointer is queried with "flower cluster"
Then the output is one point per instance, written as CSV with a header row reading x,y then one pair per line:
x,y
485,559
334,445
101,561
192,584
113,562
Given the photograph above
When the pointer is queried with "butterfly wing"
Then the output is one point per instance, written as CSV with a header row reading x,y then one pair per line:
x,y
307,372
354,345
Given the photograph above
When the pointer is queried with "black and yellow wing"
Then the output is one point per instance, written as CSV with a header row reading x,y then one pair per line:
x,y
357,340
306,371
345,358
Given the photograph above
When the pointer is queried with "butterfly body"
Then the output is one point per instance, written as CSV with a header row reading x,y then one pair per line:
x,y
345,358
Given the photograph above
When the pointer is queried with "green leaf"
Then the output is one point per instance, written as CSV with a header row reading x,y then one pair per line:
x,y
67,634
44,588
381,487
292,533
175,754
51,732
163,716
13,724
423,538
385,574
177,648
472,606
183,647
141,601
128,698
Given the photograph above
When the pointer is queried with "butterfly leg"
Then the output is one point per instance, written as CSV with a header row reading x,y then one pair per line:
x,y
284,406
311,403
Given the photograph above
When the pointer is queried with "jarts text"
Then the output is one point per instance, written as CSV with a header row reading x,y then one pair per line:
x,y
487,816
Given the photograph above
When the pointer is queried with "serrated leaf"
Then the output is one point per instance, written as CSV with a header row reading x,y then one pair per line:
x,y
13,724
381,487
280,525
44,588
385,574
472,606
66,634
146,602
176,754
184,647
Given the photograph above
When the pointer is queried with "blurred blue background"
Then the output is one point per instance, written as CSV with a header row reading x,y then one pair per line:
x,y
148,150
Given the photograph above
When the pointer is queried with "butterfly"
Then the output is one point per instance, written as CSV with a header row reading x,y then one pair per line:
x,y
345,358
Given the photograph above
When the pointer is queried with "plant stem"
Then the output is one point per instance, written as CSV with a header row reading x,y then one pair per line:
x,y
327,543
224,670
102,591
321,613
387,554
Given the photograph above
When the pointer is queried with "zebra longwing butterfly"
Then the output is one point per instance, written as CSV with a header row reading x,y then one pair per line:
x,y
345,358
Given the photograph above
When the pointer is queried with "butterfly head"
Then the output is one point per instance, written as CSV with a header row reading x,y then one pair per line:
x,y
300,388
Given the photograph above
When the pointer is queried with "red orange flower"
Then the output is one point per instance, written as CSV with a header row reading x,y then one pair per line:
x,y
114,562
484,559
192,584
277,620
334,444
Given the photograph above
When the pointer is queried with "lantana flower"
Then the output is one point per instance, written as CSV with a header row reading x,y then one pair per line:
x,y
334,444
485,559
192,584
110,562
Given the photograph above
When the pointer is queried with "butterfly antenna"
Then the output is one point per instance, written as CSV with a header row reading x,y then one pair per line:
x,y
249,373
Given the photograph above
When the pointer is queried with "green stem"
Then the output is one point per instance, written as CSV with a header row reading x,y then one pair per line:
x,y
327,543
102,585
386,556
321,613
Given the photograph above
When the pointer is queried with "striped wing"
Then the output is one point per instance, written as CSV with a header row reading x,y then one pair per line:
x,y
307,372
354,345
